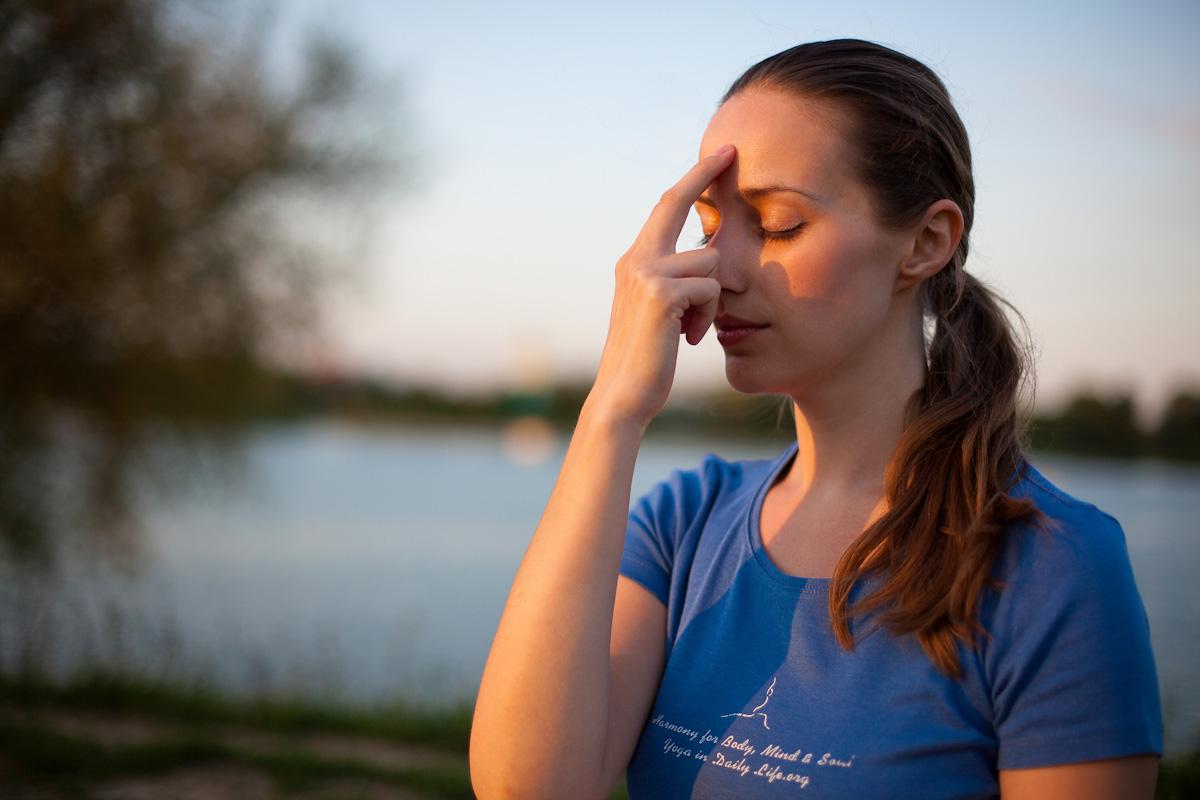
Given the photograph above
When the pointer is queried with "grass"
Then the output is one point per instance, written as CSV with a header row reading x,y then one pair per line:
x,y
447,728
71,764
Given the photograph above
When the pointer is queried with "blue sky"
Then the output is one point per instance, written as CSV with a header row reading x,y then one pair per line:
x,y
546,131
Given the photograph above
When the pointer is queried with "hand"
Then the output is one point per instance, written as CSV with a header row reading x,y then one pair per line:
x,y
660,294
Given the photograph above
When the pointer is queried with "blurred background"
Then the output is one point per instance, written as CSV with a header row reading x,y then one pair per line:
x,y
299,301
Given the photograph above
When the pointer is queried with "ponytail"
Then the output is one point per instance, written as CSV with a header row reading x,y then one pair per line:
x,y
962,448
947,483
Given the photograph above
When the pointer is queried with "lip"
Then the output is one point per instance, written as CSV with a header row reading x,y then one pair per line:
x,y
730,322
732,336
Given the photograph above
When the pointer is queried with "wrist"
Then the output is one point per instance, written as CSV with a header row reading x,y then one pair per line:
x,y
597,413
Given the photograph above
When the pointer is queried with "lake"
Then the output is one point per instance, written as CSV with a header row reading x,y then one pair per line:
x,y
367,563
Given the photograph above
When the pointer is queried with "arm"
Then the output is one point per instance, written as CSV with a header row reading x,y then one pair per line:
x,y
542,709
542,716
637,654
1128,778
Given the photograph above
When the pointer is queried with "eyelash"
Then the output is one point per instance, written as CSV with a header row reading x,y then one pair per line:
x,y
770,236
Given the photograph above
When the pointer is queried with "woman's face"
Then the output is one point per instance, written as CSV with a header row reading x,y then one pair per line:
x,y
828,292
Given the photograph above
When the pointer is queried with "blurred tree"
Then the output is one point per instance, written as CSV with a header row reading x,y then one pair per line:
x,y
1091,425
1178,433
145,272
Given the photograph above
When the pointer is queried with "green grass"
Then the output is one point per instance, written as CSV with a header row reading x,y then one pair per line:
x,y
71,764
447,728
38,754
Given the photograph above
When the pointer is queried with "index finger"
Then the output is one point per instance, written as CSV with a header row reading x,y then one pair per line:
x,y
665,222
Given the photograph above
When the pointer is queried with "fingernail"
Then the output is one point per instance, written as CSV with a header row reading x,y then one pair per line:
x,y
722,150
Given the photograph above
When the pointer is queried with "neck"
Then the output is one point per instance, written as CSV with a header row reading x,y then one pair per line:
x,y
848,427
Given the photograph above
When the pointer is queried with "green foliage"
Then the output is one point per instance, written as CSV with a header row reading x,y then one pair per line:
x,y
144,271
1178,435
42,756
448,728
290,397
1092,425
1179,778
1087,425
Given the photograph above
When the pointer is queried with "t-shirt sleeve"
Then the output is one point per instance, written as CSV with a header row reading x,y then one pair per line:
x,y
650,536
1071,669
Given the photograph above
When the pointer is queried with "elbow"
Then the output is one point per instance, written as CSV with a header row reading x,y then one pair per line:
x,y
488,786
492,779
499,772
487,782
490,782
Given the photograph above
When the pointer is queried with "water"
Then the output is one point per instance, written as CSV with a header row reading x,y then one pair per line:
x,y
373,563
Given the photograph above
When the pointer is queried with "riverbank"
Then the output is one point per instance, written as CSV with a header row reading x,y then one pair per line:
x,y
110,737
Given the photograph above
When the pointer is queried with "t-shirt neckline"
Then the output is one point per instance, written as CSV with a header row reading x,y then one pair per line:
x,y
754,534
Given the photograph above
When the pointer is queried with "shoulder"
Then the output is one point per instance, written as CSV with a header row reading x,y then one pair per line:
x,y
1033,482
1079,539
1068,578
714,476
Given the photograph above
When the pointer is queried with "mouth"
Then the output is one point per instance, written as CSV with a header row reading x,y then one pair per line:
x,y
733,335
729,322
738,327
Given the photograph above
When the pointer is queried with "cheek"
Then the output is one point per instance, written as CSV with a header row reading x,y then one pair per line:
x,y
837,291
837,270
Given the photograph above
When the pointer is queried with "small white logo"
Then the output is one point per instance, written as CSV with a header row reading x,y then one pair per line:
x,y
758,710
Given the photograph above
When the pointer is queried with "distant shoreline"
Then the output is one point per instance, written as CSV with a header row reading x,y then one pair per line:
x,y
1087,425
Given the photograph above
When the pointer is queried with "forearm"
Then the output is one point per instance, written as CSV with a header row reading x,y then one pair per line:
x,y
542,711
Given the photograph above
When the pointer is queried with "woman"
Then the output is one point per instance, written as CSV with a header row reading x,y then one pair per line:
x,y
718,647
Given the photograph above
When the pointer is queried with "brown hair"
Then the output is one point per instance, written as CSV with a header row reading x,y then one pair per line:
x,y
962,446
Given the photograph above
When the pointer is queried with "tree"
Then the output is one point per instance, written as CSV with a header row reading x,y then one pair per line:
x,y
145,275
1178,433
1092,425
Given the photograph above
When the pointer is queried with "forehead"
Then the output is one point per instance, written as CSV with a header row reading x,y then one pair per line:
x,y
781,138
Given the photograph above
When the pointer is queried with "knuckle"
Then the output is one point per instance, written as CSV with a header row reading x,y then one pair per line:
x,y
656,290
669,197
628,263
641,266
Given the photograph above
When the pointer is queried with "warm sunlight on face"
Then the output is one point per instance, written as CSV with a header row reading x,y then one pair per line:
x,y
815,268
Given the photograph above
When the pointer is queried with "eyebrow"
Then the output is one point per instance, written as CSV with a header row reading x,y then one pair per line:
x,y
753,193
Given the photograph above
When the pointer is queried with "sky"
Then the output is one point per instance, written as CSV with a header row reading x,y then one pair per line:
x,y
544,132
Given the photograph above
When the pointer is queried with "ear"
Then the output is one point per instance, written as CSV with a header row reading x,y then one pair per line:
x,y
935,238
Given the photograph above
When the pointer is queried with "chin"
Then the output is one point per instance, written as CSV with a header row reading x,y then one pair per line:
x,y
744,378
748,376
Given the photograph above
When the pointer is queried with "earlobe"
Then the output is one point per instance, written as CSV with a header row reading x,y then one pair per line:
x,y
935,240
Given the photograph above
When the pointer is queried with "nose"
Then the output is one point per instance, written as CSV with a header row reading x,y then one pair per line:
x,y
738,250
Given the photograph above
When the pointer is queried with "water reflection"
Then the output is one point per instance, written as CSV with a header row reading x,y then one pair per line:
x,y
364,564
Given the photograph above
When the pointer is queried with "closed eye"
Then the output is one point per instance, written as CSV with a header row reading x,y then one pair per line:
x,y
770,236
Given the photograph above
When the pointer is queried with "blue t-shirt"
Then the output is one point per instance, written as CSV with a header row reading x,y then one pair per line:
x,y
759,700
